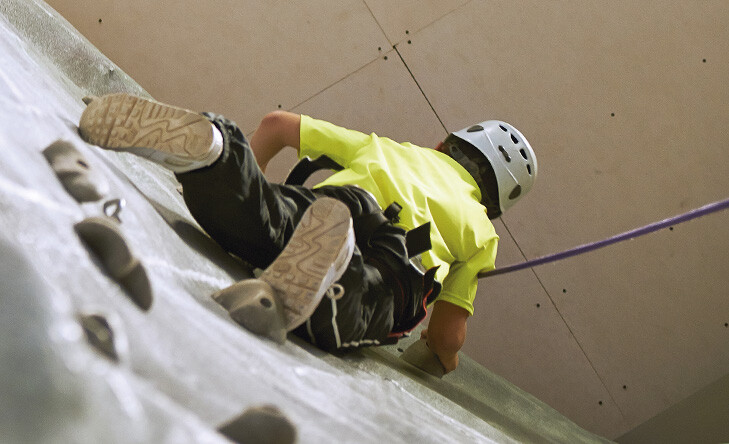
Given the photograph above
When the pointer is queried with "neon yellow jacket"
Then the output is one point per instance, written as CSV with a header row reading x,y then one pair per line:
x,y
429,185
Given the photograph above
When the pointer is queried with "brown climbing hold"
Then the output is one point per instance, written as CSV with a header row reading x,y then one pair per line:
x,y
422,357
99,334
104,238
253,304
261,425
75,173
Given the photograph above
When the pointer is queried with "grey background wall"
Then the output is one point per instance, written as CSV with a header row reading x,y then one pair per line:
x,y
625,102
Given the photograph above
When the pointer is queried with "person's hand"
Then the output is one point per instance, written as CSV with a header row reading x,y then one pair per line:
x,y
446,333
450,362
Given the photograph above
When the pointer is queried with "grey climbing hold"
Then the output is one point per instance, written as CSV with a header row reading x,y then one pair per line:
x,y
422,357
75,173
253,304
99,334
103,237
260,425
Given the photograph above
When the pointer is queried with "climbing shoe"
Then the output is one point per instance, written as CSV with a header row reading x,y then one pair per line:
x,y
315,257
178,139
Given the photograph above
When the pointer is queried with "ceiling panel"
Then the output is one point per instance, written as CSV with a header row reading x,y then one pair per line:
x,y
241,59
517,332
651,313
381,98
399,19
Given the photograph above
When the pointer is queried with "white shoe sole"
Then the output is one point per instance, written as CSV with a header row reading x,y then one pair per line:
x,y
177,138
315,257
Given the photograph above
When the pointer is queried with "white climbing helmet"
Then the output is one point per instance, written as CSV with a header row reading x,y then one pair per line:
x,y
510,155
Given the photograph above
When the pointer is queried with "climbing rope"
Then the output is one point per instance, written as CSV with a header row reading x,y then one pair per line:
x,y
693,214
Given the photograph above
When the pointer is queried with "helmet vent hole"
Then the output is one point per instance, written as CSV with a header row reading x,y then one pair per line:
x,y
503,128
514,139
529,169
523,154
506,155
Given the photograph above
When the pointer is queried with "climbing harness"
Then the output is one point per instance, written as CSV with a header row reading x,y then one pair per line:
x,y
414,286
417,240
693,214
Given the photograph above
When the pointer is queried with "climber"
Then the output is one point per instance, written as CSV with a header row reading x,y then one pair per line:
x,y
396,229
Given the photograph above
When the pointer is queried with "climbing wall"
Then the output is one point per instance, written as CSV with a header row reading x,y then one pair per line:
x,y
625,103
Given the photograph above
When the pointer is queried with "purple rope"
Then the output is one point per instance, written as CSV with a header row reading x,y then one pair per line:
x,y
693,214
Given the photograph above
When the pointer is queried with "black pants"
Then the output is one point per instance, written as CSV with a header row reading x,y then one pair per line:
x,y
254,219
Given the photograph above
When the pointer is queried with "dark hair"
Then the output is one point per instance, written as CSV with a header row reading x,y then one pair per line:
x,y
457,149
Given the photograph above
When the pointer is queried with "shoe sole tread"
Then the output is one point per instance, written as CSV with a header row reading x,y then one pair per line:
x,y
316,256
144,127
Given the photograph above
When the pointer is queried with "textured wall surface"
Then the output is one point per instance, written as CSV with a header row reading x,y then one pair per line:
x,y
625,103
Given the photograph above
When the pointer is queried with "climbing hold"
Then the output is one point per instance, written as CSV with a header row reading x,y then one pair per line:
x,y
103,237
253,304
99,335
78,178
422,357
261,425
